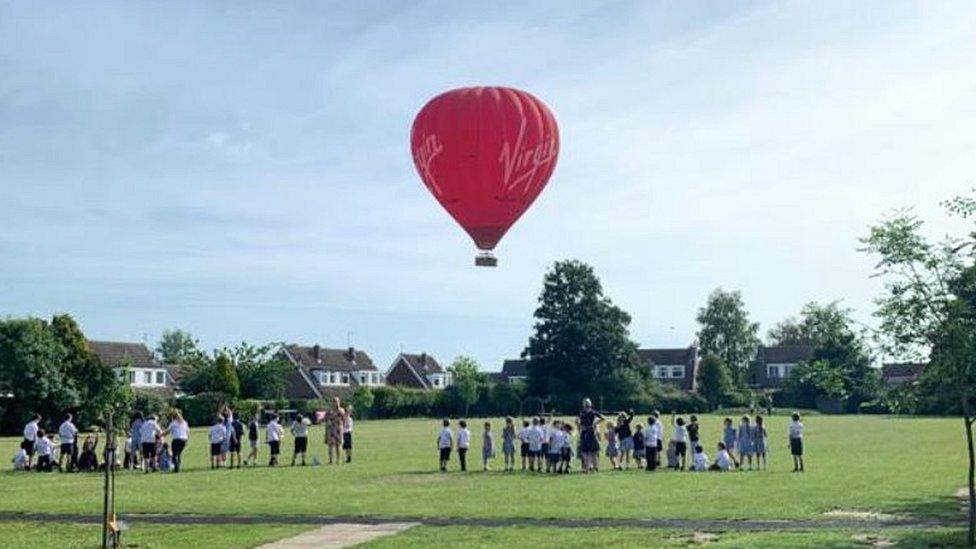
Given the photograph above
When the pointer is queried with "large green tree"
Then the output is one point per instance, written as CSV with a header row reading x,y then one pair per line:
x,y
816,324
581,345
99,388
467,379
260,370
725,330
929,307
178,347
714,381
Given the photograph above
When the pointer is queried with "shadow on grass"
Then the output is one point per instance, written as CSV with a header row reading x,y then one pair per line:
x,y
945,508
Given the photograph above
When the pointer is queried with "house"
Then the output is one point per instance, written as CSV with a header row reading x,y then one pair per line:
x,y
513,371
418,371
320,372
134,361
899,373
678,367
774,364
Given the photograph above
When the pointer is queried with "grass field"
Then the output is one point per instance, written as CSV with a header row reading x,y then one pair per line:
x,y
898,466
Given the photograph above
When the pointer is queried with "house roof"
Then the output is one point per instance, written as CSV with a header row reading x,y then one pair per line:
x,y
117,353
423,363
515,368
663,357
902,369
335,360
785,354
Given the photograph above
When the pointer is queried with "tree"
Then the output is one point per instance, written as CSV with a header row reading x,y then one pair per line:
x,y
260,370
816,325
466,380
225,376
362,399
726,331
581,345
816,378
179,348
100,389
929,306
32,369
714,381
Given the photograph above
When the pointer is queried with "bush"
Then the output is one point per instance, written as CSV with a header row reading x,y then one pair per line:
x,y
150,403
199,410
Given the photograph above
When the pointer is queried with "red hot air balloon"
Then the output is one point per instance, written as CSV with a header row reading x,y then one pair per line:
x,y
485,153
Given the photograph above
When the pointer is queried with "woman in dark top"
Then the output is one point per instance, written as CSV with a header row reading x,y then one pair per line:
x,y
589,443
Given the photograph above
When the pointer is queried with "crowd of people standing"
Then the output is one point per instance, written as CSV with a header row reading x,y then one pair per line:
x,y
146,445
546,444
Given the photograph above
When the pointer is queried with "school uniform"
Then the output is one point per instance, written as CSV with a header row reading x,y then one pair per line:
x,y
217,436
638,438
508,440
347,433
759,440
546,435
463,443
534,437
555,450
523,436
699,462
45,450
659,435
650,448
252,434
625,436
723,462
796,438
148,437
274,433
444,441
728,437
745,439
20,460
566,448
238,427
680,440
30,437
488,445
68,434
299,430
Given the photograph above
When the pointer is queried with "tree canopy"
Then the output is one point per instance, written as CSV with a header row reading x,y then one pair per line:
x,y
726,331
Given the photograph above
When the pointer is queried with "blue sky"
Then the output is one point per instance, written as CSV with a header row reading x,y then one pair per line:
x,y
242,170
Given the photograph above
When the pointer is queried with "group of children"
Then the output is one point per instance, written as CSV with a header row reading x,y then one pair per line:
x,y
149,447
547,445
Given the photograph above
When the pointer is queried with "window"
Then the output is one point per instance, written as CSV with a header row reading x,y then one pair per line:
x,y
376,379
362,378
772,371
345,378
660,371
159,378
131,375
437,381
147,377
677,371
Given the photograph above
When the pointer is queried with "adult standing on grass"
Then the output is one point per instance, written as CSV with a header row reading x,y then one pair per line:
x,y
30,439
136,429
589,443
179,432
333,436
68,434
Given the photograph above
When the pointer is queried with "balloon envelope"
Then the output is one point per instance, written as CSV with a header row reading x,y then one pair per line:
x,y
485,153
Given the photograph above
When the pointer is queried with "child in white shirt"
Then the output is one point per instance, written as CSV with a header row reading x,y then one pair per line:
x,y
535,436
553,449
20,460
445,441
463,443
723,461
796,442
45,450
699,461
274,433
217,435
523,436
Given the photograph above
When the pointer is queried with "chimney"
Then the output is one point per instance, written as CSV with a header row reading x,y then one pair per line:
x,y
317,353
351,357
423,359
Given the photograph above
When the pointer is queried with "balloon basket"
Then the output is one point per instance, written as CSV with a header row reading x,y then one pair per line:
x,y
485,259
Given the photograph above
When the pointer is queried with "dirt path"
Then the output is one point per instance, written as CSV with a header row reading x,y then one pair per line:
x,y
333,536
709,525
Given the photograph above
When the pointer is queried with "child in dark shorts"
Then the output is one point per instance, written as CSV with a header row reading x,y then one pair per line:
x,y
638,437
524,447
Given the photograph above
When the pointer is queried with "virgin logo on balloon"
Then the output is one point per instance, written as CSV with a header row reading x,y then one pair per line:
x,y
527,161
485,153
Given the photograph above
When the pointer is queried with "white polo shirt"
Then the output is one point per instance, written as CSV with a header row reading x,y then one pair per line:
x,y
217,434
444,438
67,432
30,431
274,431
464,438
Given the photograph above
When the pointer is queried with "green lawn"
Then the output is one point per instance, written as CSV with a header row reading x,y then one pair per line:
x,y
891,465
42,535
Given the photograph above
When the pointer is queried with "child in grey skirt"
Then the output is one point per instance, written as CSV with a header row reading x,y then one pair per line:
x,y
488,446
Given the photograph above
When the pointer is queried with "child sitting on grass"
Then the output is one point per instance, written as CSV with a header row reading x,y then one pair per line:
x,y
45,450
445,442
699,461
20,460
165,458
487,446
723,461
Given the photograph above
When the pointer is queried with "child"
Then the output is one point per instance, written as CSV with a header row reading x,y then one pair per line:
x,y
650,445
165,459
554,450
680,440
523,437
252,439
699,461
638,446
672,454
274,434
135,428
759,443
723,461
487,446
729,436
235,444
566,448
149,430
659,435
68,434
299,430
796,443
545,438
127,461
88,461
217,436
613,445
534,437
445,441
745,442
508,444
625,436
45,448
463,442
20,460
693,434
